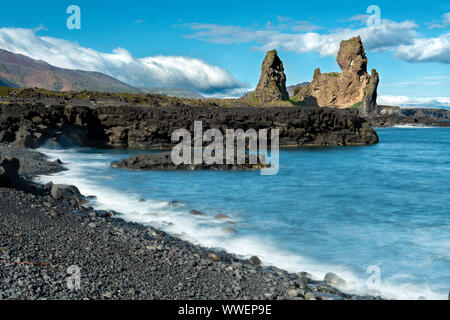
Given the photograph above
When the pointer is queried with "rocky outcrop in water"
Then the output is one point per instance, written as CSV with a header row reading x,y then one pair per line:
x,y
152,127
163,161
353,88
388,116
272,83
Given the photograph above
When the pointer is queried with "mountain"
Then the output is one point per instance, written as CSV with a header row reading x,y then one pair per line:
x,y
172,92
17,70
291,89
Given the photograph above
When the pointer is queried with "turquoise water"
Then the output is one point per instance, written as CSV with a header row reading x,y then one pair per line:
x,y
339,209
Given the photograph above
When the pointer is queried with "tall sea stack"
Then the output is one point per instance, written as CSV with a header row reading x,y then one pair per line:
x,y
353,88
272,84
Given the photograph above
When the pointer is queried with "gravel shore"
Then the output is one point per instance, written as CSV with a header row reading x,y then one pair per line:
x,y
40,238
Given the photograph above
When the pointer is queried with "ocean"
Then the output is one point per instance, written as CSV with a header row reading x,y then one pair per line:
x,y
347,210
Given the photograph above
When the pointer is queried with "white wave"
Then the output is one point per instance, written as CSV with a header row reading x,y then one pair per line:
x,y
413,126
209,232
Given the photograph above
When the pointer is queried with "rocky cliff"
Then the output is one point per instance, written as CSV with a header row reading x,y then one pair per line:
x,y
31,124
387,116
353,88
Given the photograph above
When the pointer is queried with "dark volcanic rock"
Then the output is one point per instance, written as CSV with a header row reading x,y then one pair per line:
x,y
163,161
272,84
31,162
62,191
221,216
9,172
333,279
152,127
387,116
369,103
26,139
255,260
197,213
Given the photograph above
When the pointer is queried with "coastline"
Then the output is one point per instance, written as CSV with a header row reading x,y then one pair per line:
x,y
110,252
219,162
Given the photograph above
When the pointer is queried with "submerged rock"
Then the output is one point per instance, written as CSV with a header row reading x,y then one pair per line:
x,y
175,204
197,213
230,230
222,217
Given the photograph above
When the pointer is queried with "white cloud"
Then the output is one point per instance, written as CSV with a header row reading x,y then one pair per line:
x,y
360,17
41,27
445,22
422,81
426,50
405,102
386,36
287,23
150,71
401,38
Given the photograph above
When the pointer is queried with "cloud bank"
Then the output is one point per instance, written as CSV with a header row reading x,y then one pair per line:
x,y
406,102
402,38
167,71
426,50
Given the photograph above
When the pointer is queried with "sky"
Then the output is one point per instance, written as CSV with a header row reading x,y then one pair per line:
x,y
216,47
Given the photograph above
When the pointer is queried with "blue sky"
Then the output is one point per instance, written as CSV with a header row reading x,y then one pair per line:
x,y
227,40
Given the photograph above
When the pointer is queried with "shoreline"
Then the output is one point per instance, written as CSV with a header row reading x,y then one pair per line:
x,y
216,275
